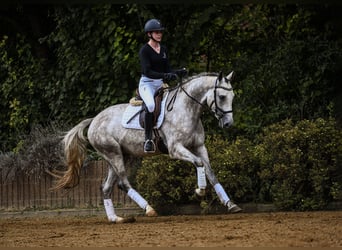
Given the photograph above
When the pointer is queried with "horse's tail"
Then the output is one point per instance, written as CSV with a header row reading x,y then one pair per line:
x,y
75,151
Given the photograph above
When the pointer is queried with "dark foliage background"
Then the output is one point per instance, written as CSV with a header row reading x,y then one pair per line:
x,y
63,63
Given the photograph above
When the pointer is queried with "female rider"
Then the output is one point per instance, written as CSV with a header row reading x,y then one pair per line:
x,y
155,69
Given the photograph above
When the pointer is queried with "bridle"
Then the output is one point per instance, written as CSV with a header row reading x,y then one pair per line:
x,y
219,113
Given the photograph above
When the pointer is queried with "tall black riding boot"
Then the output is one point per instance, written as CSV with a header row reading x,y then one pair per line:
x,y
149,146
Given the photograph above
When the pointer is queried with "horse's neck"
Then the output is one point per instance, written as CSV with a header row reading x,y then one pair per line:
x,y
198,89
192,97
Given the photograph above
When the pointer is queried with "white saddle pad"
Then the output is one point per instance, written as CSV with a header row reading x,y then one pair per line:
x,y
130,118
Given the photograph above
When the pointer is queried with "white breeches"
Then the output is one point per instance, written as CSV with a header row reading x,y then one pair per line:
x,y
147,89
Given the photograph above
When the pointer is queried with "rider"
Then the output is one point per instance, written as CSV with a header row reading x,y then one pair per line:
x,y
155,69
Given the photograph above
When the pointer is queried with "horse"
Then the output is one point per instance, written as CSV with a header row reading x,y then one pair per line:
x,y
181,131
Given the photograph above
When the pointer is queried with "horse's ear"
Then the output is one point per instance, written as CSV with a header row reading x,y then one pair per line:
x,y
230,76
220,76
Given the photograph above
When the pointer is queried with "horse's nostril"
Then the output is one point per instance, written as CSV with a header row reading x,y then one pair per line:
x,y
225,122
228,124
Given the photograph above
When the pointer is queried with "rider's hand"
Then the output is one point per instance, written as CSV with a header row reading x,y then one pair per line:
x,y
169,77
181,72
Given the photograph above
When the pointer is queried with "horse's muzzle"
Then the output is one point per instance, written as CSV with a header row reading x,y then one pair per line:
x,y
226,121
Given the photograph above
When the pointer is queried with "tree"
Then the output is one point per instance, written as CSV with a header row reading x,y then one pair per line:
x,y
284,57
63,63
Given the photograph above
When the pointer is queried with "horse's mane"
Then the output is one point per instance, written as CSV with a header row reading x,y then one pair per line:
x,y
188,79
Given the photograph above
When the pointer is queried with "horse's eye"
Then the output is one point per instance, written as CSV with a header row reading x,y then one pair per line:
x,y
222,97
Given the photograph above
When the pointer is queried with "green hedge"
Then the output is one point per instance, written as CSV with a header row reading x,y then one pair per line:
x,y
300,165
294,166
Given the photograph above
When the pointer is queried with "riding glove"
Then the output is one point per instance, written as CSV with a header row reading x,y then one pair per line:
x,y
169,77
181,72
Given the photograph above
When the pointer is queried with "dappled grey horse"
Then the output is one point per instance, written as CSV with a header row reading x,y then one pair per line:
x,y
181,131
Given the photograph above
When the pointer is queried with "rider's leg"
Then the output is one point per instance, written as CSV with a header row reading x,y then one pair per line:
x,y
147,89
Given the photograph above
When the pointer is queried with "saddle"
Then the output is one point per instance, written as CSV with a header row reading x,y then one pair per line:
x,y
158,98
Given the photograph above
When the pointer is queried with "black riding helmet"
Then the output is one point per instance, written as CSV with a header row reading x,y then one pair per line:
x,y
153,25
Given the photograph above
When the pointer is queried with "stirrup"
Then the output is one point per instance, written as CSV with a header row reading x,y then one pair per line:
x,y
153,149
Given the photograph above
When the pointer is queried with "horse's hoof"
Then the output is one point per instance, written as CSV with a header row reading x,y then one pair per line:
x,y
200,192
120,220
117,220
150,212
233,208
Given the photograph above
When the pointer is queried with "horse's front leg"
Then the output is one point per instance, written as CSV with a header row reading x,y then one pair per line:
x,y
178,151
202,153
182,153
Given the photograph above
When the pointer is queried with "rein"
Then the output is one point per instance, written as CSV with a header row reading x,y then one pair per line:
x,y
173,98
218,111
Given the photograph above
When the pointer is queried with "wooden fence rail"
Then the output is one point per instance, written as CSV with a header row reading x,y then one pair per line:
x,y
30,192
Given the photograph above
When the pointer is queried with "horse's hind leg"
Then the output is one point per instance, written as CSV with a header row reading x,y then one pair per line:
x,y
116,161
131,192
107,189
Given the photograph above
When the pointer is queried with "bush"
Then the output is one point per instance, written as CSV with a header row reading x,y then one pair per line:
x,y
299,164
38,152
294,166
166,183
234,165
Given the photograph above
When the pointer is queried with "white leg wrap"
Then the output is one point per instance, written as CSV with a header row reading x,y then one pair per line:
x,y
108,204
201,180
221,193
134,195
